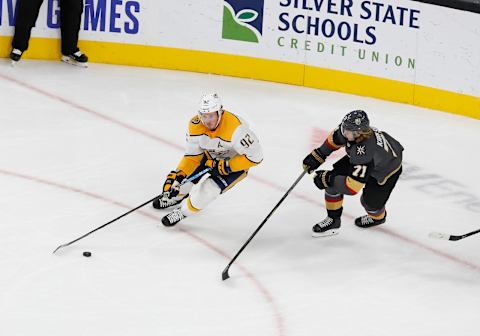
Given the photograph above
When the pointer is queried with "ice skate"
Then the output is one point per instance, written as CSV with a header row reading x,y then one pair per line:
x,y
173,217
164,202
367,221
327,227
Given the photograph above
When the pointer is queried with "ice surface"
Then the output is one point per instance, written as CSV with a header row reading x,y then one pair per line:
x,y
80,147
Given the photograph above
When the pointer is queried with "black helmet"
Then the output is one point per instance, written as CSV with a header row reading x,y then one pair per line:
x,y
356,121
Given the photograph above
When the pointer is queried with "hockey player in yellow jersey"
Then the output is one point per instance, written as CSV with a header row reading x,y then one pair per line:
x,y
216,139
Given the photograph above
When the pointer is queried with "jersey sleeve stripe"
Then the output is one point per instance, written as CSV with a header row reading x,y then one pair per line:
x,y
330,143
331,146
352,185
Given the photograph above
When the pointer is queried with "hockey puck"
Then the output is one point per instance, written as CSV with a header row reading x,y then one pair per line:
x,y
87,254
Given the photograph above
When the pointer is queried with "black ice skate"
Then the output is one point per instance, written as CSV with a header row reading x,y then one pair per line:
x,y
15,56
173,217
77,58
367,221
327,227
162,203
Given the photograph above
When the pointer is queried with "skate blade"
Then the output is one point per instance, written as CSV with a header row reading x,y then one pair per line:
x,y
327,233
13,64
68,60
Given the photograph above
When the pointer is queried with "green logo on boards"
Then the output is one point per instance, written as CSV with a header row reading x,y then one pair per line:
x,y
242,20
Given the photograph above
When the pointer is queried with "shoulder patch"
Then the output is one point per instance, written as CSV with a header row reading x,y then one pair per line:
x,y
195,120
361,150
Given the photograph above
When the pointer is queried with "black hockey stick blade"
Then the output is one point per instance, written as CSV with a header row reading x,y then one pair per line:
x,y
439,235
225,274
59,247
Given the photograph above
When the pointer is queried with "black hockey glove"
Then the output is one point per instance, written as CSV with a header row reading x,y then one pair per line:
x,y
313,160
171,187
323,179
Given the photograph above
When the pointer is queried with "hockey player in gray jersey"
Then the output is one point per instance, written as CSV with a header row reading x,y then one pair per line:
x,y
373,162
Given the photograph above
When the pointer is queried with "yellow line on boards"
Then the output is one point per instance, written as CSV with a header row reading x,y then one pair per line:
x,y
257,68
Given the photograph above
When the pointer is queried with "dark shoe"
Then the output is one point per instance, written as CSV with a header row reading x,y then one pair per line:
x,y
77,58
327,227
16,55
367,221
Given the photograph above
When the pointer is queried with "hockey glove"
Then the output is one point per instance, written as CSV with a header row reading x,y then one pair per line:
x,y
171,187
323,179
220,167
313,160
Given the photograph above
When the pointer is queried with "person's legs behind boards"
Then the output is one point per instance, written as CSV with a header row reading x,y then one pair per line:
x,y
70,20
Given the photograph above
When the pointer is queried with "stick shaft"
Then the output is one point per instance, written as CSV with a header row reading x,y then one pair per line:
x,y
191,178
225,272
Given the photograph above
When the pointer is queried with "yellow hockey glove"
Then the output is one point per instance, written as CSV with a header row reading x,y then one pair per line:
x,y
171,187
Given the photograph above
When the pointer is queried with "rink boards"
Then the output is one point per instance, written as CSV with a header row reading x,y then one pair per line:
x,y
401,51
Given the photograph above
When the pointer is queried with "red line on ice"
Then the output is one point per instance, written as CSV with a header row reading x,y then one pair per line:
x,y
279,319
258,179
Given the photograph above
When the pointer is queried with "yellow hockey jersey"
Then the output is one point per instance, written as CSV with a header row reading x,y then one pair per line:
x,y
232,139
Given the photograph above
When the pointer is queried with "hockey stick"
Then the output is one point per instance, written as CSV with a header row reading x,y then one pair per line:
x,y
225,274
438,235
191,178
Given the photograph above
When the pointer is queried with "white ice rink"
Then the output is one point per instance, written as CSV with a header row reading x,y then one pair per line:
x,y
80,147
